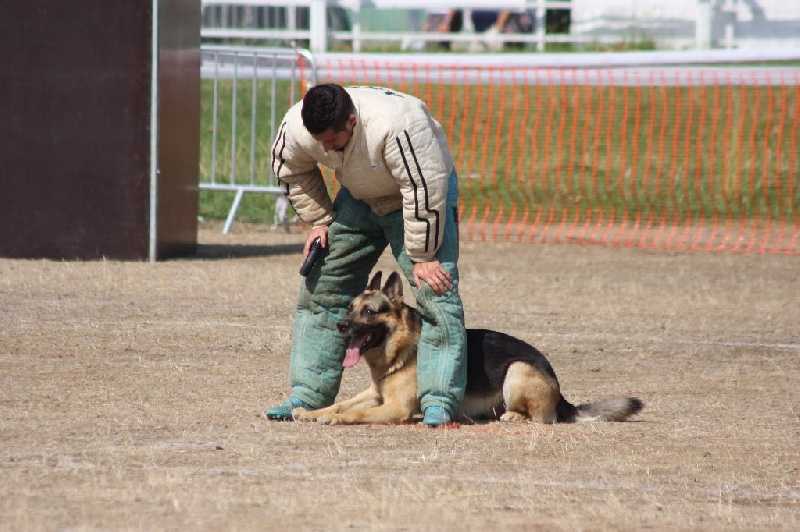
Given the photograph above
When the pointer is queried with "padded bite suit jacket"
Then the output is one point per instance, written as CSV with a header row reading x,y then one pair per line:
x,y
396,159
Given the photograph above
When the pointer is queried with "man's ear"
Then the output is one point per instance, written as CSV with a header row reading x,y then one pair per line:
x,y
394,287
352,120
375,283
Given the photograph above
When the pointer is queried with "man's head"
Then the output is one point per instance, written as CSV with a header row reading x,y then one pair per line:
x,y
329,115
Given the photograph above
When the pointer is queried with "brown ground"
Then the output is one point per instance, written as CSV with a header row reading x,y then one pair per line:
x,y
131,398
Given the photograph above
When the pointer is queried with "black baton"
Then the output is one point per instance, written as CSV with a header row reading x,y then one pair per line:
x,y
314,253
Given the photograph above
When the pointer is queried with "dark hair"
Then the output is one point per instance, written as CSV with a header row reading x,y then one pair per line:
x,y
326,107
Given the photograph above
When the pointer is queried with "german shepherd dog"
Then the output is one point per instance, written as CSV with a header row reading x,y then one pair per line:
x,y
506,377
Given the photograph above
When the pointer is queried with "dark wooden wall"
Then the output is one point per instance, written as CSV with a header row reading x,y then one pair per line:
x,y
75,128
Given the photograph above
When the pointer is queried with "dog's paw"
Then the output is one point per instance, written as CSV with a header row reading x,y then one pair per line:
x,y
326,420
331,419
301,414
513,417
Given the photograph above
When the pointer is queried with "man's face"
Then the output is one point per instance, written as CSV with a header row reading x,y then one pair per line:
x,y
337,140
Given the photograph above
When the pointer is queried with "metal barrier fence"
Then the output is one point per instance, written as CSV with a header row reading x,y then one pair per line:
x,y
642,154
257,86
278,20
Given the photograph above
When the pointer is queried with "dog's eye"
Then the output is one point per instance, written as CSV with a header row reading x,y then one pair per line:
x,y
368,312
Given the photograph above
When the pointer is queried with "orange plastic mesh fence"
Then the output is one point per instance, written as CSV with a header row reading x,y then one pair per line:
x,y
691,158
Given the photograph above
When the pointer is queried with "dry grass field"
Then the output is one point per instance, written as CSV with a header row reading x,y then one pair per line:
x,y
131,398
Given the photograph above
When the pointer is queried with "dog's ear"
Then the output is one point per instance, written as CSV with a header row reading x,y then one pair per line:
x,y
375,283
394,287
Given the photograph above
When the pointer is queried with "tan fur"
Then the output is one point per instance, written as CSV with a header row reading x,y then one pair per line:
x,y
528,393
392,396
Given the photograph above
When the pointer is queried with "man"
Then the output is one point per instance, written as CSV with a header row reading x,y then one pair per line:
x,y
399,188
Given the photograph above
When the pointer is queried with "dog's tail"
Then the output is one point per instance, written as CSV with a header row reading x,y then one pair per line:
x,y
604,410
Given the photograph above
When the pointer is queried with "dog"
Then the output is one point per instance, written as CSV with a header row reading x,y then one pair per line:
x,y
507,378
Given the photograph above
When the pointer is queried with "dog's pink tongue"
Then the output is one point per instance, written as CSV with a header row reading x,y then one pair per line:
x,y
353,354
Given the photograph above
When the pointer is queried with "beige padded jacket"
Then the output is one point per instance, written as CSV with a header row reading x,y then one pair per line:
x,y
397,158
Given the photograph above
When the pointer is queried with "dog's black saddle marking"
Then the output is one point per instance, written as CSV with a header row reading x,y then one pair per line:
x,y
490,353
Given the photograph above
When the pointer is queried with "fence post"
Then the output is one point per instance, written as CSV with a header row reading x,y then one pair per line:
x,y
729,24
318,26
541,22
702,25
357,26
152,252
291,17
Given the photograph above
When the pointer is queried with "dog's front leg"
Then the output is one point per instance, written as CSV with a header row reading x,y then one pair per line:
x,y
365,399
387,413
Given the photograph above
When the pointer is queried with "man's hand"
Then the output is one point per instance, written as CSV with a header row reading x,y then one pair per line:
x,y
432,273
320,231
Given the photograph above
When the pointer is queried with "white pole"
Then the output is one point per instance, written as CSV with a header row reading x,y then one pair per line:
x,y
730,23
357,27
702,28
467,26
466,22
291,17
541,22
318,26
153,243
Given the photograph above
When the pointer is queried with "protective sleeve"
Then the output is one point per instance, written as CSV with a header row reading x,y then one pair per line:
x,y
305,187
419,164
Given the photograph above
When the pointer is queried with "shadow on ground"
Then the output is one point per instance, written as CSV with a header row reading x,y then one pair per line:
x,y
232,251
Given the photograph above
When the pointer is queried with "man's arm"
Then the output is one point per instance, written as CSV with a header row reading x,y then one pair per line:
x,y
304,184
421,167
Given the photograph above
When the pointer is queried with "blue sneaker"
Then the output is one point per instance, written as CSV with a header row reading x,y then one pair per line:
x,y
283,411
436,416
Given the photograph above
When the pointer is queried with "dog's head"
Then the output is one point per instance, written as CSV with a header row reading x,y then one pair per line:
x,y
371,318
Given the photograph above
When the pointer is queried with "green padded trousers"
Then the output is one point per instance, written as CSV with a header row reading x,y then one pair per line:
x,y
356,239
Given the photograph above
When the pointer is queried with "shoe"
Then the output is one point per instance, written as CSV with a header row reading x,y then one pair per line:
x,y
283,411
436,416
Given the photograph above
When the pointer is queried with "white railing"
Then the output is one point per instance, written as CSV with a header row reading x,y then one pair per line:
x,y
243,80
318,33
